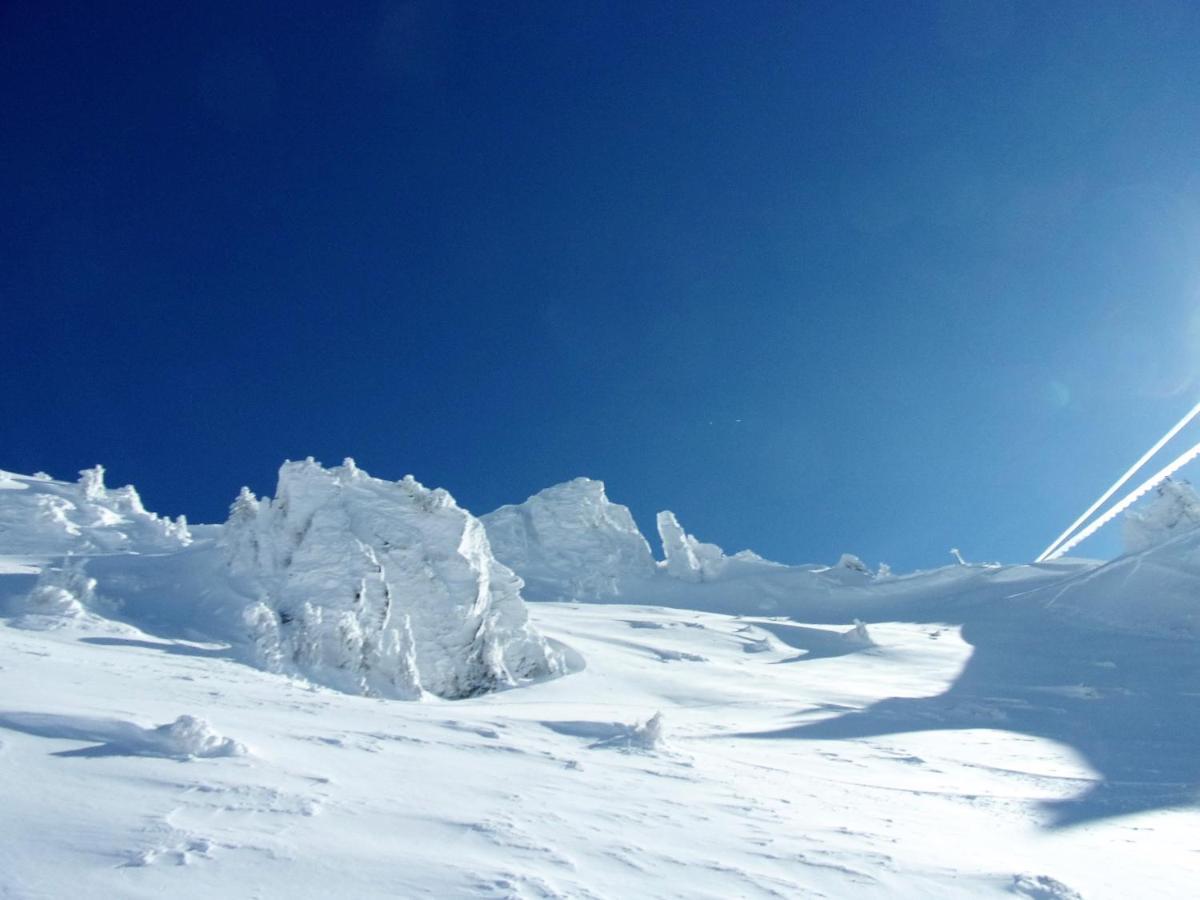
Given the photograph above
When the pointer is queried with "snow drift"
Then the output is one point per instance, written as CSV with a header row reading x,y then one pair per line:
x,y
378,587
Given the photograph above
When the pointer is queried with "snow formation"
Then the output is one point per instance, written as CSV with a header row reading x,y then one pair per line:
x,y
39,515
61,593
687,558
1174,509
570,542
378,587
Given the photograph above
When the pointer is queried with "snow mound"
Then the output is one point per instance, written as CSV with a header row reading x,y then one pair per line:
x,y
647,735
62,594
1174,509
382,588
43,516
858,636
570,542
189,737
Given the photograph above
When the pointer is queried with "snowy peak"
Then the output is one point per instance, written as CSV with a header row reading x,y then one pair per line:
x,y
379,587
571,542
42,516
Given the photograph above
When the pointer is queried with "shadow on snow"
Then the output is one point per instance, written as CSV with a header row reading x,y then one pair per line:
x,y
1130,705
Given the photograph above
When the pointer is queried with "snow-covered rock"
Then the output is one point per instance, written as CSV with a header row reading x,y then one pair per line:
x,y
687,558
377,587
1174,509
39,515
570,542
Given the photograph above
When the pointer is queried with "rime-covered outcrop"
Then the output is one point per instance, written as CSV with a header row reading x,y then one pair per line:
x,y
41,516
687,558
377,587
570,542
1174,509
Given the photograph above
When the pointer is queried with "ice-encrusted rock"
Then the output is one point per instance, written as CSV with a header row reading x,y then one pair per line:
x,y
687,558
378,587
42,516
570,542
1174,509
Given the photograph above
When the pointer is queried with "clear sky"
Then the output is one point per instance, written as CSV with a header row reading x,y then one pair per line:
x,y
883,278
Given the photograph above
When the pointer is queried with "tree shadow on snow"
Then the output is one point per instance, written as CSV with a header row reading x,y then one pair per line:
x,y
1130,705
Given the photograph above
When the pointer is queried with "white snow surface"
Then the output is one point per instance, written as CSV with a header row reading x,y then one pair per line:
x,y
806,731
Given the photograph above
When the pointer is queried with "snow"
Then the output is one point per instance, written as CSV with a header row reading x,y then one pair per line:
x,y
571,542
687,558
1174,509
50,517
771,731
376,587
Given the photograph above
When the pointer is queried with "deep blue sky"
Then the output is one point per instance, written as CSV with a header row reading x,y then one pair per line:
x,y
820,277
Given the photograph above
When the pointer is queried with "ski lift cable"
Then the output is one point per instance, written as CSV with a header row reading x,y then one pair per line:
x,y
1128,500
1146,457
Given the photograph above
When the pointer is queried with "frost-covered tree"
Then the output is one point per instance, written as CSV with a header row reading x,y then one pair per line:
x,y
377,587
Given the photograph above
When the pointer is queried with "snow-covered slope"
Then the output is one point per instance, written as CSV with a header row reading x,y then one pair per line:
x,y
982,731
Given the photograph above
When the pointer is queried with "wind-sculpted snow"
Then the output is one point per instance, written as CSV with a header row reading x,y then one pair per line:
x,y
41,516
687,558
62,593
377,587
570,542
1174,509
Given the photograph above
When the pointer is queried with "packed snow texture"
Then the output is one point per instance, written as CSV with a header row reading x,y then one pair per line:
x,y
571,542
43,516
378,587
